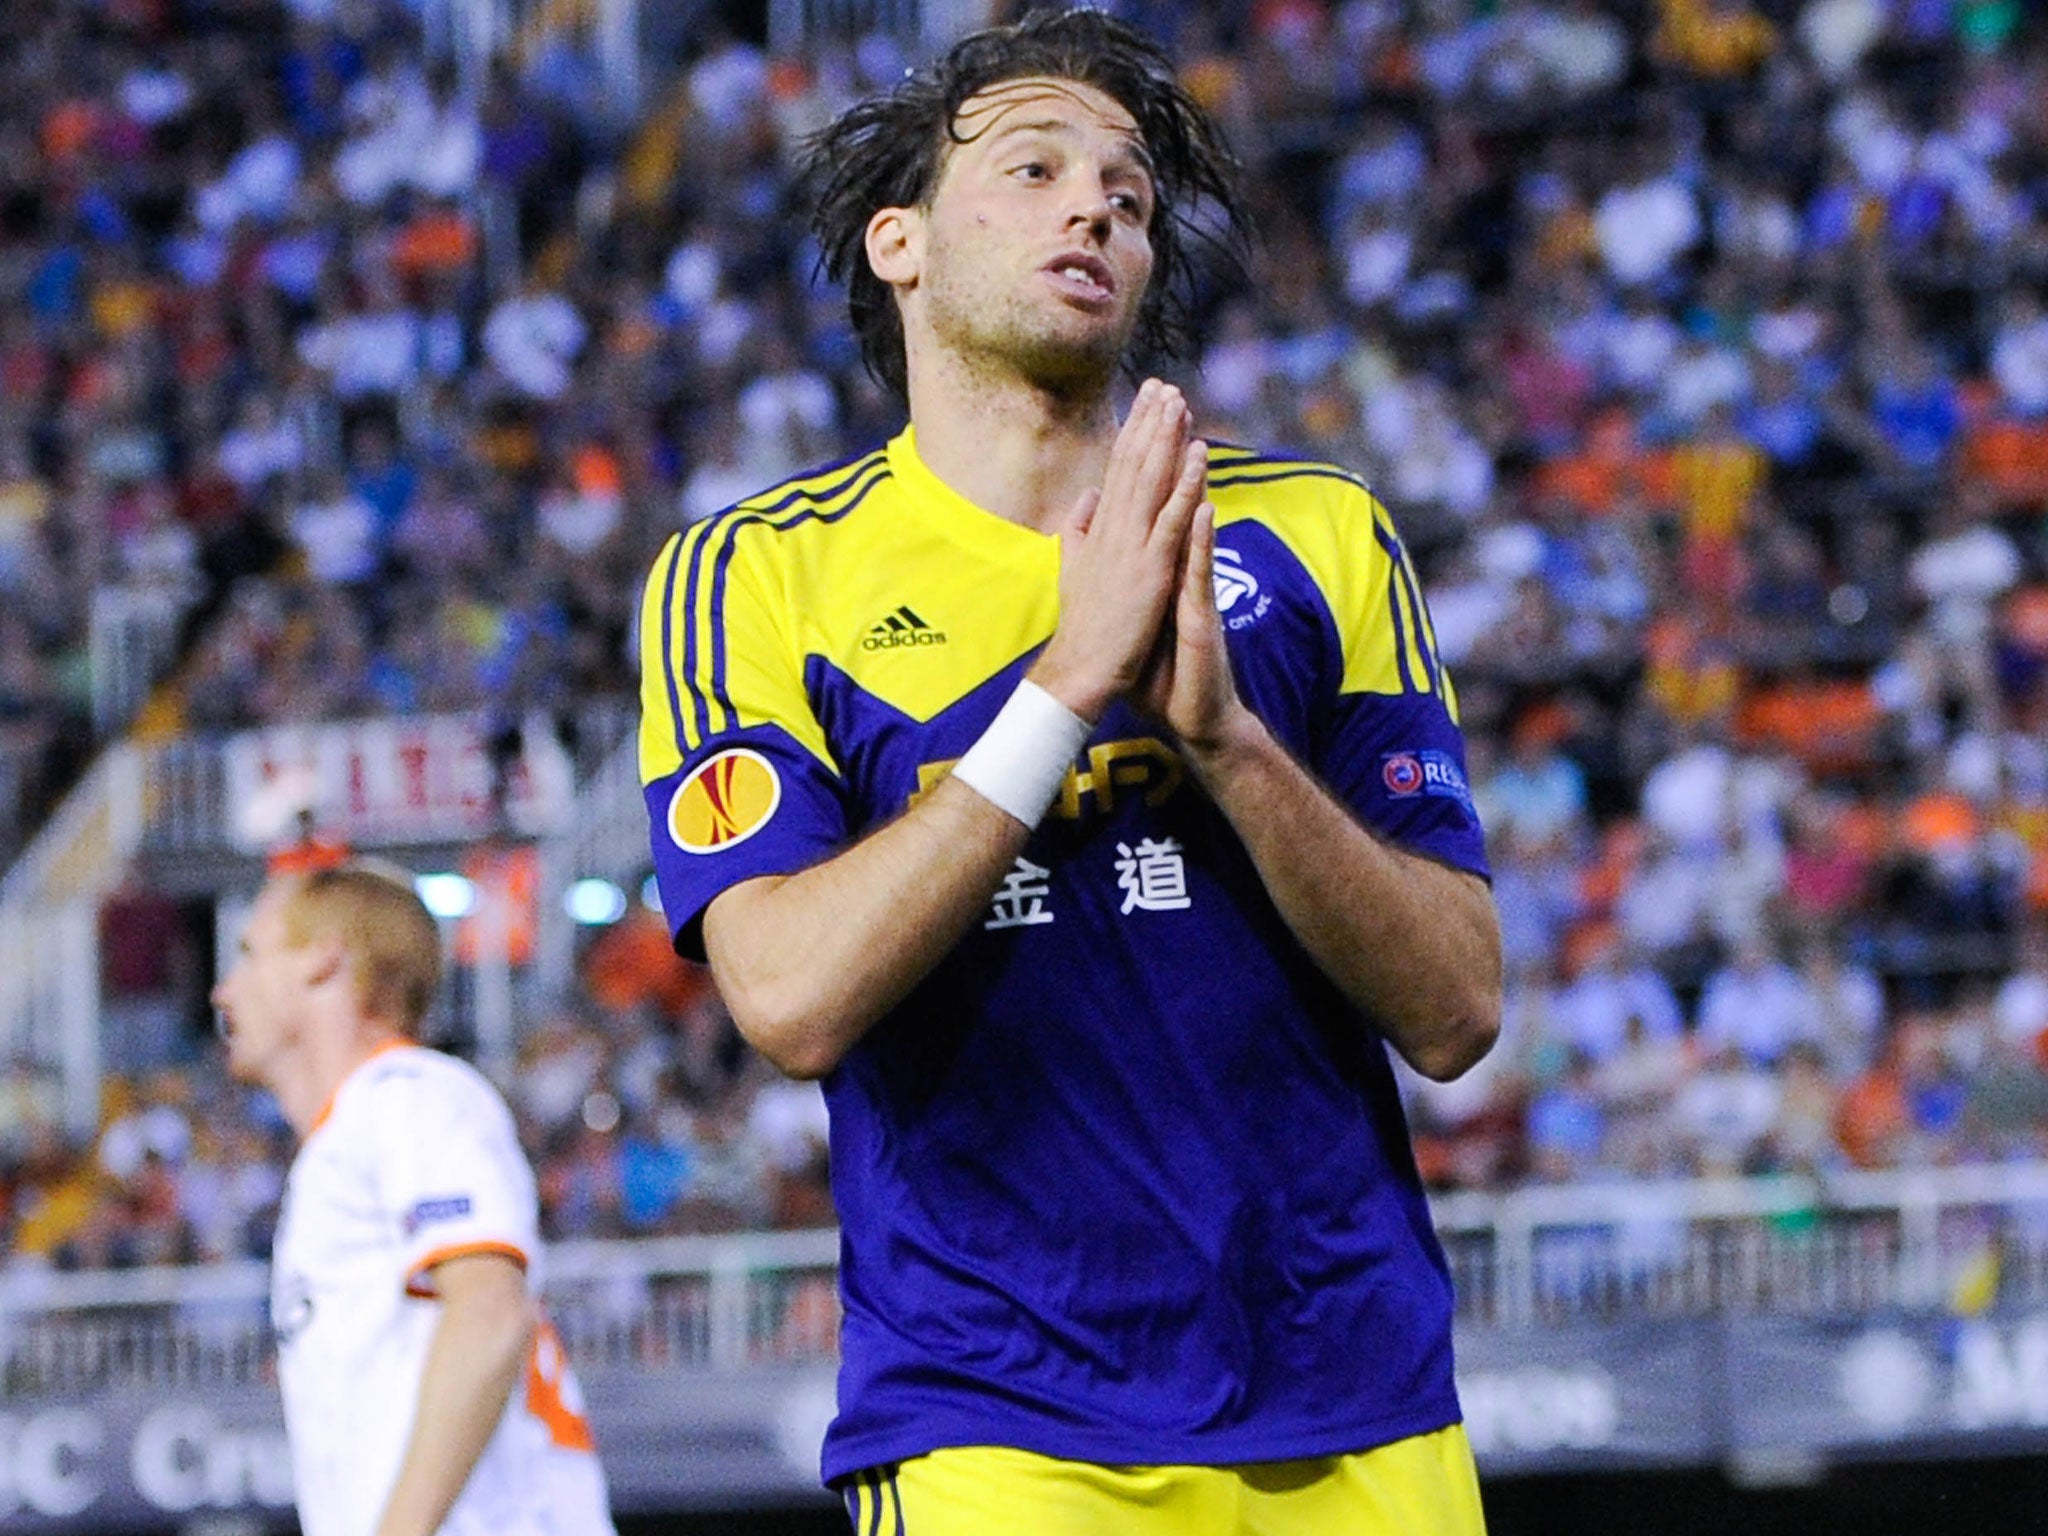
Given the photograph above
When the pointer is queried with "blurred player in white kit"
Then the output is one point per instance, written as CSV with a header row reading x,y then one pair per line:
x,y
423,1390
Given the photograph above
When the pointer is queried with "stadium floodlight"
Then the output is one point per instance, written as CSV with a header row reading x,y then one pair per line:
x,y
594,903
446,894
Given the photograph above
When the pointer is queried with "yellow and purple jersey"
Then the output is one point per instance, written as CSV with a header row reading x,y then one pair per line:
x,y
1125,1179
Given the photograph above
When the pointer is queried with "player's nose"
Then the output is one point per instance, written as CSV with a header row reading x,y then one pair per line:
x,y
1091,208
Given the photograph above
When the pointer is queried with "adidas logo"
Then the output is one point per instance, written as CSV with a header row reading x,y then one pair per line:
x,y
902,628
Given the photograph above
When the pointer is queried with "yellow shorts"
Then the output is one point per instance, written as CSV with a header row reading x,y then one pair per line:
x,y
1423,1486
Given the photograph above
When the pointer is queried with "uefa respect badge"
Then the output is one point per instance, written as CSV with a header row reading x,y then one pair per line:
x,y
1408,774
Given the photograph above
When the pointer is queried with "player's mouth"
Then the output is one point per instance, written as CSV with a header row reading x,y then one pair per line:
x,y
1083,278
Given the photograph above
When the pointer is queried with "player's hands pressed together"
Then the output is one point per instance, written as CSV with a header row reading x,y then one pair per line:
x,y
1122,556
809,962
1187,681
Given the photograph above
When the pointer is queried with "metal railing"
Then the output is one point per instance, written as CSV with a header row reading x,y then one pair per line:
x,y
1937,1239
1847,1242
687,1303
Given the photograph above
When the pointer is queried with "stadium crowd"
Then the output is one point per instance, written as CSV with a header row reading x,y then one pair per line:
x,y
641,1109
1698,347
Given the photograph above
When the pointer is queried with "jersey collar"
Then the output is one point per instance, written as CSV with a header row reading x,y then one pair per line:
x,y
382,1048
958,518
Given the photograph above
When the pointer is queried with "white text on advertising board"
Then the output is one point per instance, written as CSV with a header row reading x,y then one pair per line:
x,y
46,1461
1540,1408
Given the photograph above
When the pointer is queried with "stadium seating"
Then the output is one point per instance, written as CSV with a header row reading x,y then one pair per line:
x,y
1697,349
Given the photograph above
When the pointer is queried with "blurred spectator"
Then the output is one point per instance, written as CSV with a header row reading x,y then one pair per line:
x,y
731,1185
1758,1006
1538,796
1615,998
1725,1113
559,1063
788,1121
2019,354
1567,1124
582,1183
1961,571
1934,1088
1914,411
1714,38
2020,1009
338,534
721,475
1536,893
657,1163
1638,1084
1802,1136
630,966
1827,866
1849,1009
532,338
1645,223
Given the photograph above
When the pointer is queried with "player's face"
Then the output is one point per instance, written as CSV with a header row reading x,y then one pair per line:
x,y
1036,251
260,1000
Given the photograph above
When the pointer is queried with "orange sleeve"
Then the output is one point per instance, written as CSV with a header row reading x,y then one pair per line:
x,y
419,1279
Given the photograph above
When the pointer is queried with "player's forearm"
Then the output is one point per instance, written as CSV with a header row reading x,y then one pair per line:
x,y
809,964
1414,944
480,1351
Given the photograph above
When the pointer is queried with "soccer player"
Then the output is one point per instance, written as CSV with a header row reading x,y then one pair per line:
x,y
1084,805
423,1391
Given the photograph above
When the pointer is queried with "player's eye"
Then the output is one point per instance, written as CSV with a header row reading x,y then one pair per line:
x,y
1032,170
1129,203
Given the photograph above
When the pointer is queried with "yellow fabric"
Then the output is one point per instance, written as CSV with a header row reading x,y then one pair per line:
x,y
1422,1486
1318,520
1718,482
815,568
1720,46
60,1214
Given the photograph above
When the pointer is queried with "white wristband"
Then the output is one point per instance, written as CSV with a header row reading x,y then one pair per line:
x,y
1021,759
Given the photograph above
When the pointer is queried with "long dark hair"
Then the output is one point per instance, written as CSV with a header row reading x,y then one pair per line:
x,y
887,152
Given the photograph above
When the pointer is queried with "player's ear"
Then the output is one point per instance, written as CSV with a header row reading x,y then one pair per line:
x,y
324,961
895,245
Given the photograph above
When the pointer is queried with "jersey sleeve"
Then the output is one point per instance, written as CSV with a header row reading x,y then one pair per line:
x,y
738,778
1393,750
448,1170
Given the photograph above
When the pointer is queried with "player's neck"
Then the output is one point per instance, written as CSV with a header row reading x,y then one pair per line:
x,y
306,1094
1011,448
